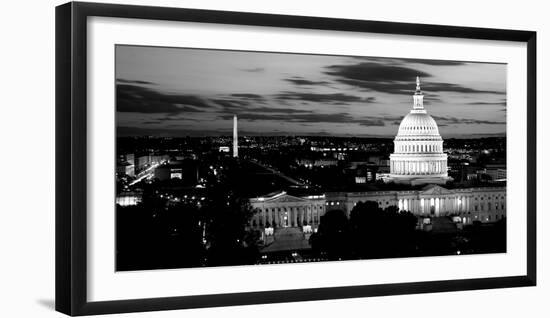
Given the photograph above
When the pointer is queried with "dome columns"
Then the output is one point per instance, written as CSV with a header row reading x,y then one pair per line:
x,y
418,167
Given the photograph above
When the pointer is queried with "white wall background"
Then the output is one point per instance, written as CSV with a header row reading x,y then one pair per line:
x,y
27,158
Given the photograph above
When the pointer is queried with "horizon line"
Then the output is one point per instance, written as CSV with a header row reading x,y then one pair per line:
x,y
473,136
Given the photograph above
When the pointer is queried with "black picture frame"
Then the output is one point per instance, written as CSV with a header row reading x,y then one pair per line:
x,y
71,157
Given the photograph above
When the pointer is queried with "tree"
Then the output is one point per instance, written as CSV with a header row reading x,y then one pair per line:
x,y
380,232
333,236
226,217
154,237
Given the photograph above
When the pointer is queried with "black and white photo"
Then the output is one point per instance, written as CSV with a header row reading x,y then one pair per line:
x,y
254,158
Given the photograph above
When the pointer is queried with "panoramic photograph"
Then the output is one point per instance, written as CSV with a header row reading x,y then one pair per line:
x,y
227,158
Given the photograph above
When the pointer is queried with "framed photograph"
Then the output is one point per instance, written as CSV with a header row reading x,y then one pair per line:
x,y
208,158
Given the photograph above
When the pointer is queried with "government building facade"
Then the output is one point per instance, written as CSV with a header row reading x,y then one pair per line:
x,y
418,160
280,210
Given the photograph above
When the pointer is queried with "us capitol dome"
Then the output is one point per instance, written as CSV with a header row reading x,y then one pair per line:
x,y
418,156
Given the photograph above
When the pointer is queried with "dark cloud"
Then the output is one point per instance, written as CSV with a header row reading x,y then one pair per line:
x,y
253,70
371,122
375,72
397,61
448,87
131,98
434,62
125,81
322,98
278,110
123,131
172,117
254,97
501,103
441,120
394,79
302,81
380,77
231,104
383,87
316,118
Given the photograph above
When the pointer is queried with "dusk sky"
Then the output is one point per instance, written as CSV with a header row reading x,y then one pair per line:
x,y
196,92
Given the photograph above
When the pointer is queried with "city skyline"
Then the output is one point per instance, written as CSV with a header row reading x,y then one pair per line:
x,y
175,92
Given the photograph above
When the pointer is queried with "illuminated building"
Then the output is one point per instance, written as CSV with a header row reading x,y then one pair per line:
x,y
125,165
185,170
281,210
418,161
125,168
418,156
128,198
284,210
484,204
141,163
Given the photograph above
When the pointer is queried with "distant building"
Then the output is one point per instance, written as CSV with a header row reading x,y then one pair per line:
x,y
142,162
127,157
281,210
284,210
125,164
485,204
323,162
128,198
224,149
497,172
360,174
185,170
476,203
159,159
125,168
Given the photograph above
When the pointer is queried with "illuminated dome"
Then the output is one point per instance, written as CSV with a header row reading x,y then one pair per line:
x,y
418,124
418,156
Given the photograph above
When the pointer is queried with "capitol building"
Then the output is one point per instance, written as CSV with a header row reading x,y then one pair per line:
x,y
418,156
418,160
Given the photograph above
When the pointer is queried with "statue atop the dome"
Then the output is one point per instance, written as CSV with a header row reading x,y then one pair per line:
x,y
418,97
418,91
